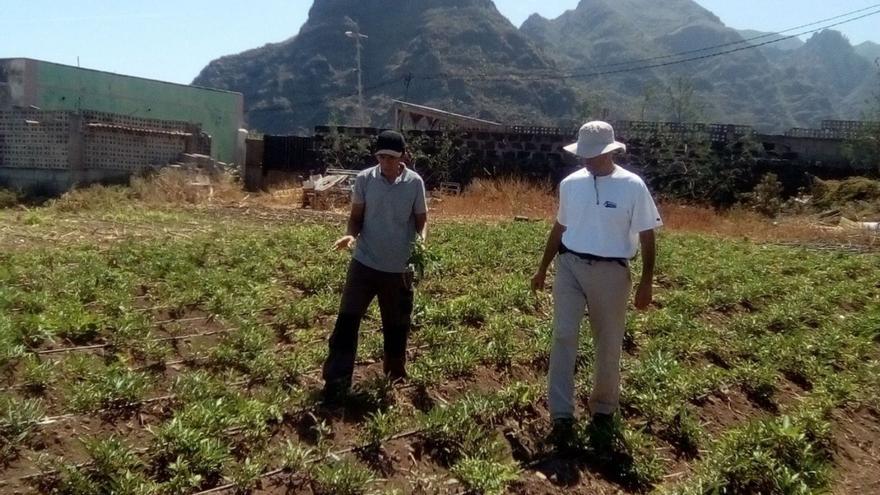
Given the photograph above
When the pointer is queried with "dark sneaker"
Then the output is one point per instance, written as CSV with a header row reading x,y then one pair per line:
x,y
603,433
395,368
562,436
335,392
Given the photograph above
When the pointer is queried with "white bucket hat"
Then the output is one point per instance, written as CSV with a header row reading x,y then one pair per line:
x,y
594,139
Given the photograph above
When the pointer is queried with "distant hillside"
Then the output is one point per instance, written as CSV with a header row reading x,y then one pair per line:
x,y
607,58
773,87
786,44
311,79
870,51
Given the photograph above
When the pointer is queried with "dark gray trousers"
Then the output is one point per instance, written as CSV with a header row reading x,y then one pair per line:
x,y
395,294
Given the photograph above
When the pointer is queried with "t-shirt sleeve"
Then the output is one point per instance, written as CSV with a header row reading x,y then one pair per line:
x,y
420,207
359,190
645,215
562,214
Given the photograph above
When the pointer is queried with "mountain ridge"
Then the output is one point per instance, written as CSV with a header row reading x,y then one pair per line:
x,y
464,56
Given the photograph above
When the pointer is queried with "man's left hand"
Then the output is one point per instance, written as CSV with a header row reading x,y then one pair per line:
x,y
644,296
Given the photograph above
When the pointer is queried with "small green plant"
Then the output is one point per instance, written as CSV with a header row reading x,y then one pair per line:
x,y
36,375
453,432
113,387
322,432
246,475
379,426
18,421
345,477
421,260
374,394
780,455
113,468
188,456
485,477
685,433
759,383
247,350
296,458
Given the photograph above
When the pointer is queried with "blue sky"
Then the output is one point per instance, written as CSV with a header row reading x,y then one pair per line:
x,y
173,40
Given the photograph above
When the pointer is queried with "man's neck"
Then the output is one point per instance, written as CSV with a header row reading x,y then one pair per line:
x,y
603,170
392,174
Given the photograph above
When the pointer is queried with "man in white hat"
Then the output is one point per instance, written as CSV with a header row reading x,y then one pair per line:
x,y
605,213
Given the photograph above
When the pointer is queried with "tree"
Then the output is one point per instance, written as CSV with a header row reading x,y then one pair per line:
x,y
592,107
338,150
682,101
649,100
701,171
441,158
864,149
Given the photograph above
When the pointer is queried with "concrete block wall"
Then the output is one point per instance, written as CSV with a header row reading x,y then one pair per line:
x,y
49,152
34,139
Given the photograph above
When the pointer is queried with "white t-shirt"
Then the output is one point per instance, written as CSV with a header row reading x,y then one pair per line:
x,y
604,215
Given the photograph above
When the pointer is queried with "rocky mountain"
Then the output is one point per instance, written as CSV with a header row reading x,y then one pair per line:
x,y
782,42
870,51
773,87
412,49
617,59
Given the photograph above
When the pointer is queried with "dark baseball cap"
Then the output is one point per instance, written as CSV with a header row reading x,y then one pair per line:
x,y
390,143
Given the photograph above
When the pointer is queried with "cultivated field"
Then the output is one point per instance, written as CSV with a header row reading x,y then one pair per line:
x,y
157,349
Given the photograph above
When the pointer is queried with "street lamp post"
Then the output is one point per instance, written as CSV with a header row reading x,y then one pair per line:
x,y
357,36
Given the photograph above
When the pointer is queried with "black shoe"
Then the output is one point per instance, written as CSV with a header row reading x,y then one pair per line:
x,y
395,368
562,436
603,432
335,392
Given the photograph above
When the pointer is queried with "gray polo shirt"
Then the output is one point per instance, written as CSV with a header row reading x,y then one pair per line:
x,y
389,229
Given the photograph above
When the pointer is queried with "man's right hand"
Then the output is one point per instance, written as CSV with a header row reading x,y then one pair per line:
x,y
538,280
344,243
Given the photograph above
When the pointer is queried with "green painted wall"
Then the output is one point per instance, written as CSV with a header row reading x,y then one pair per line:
x,y
62,87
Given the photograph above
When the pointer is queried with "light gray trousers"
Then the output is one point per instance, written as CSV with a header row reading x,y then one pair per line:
x,y
604,287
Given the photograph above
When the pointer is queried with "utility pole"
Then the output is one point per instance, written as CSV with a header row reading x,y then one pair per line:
x,y
357,36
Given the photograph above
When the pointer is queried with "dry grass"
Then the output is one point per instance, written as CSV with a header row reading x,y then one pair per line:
x,y
500,198
177,187
748,224
484,200
181,186
511,198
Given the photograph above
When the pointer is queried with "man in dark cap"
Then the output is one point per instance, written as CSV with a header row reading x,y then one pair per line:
x,y
388,213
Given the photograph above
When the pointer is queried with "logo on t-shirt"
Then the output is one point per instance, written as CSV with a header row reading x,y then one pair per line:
x,y
610,204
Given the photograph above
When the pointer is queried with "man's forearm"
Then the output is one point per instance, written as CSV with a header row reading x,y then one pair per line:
x,y
355,225
422,226
553,242
649,255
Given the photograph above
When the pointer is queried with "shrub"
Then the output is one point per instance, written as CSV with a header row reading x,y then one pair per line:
x,y
767,196
8,198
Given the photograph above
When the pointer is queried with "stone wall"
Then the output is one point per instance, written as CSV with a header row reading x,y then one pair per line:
x,y
537,151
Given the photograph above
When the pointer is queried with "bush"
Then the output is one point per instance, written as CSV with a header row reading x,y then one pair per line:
x,y
8,198
767,196
853,197
698,170
344,151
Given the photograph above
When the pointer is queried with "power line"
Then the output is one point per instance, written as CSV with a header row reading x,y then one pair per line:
x,y
575,75
738,42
